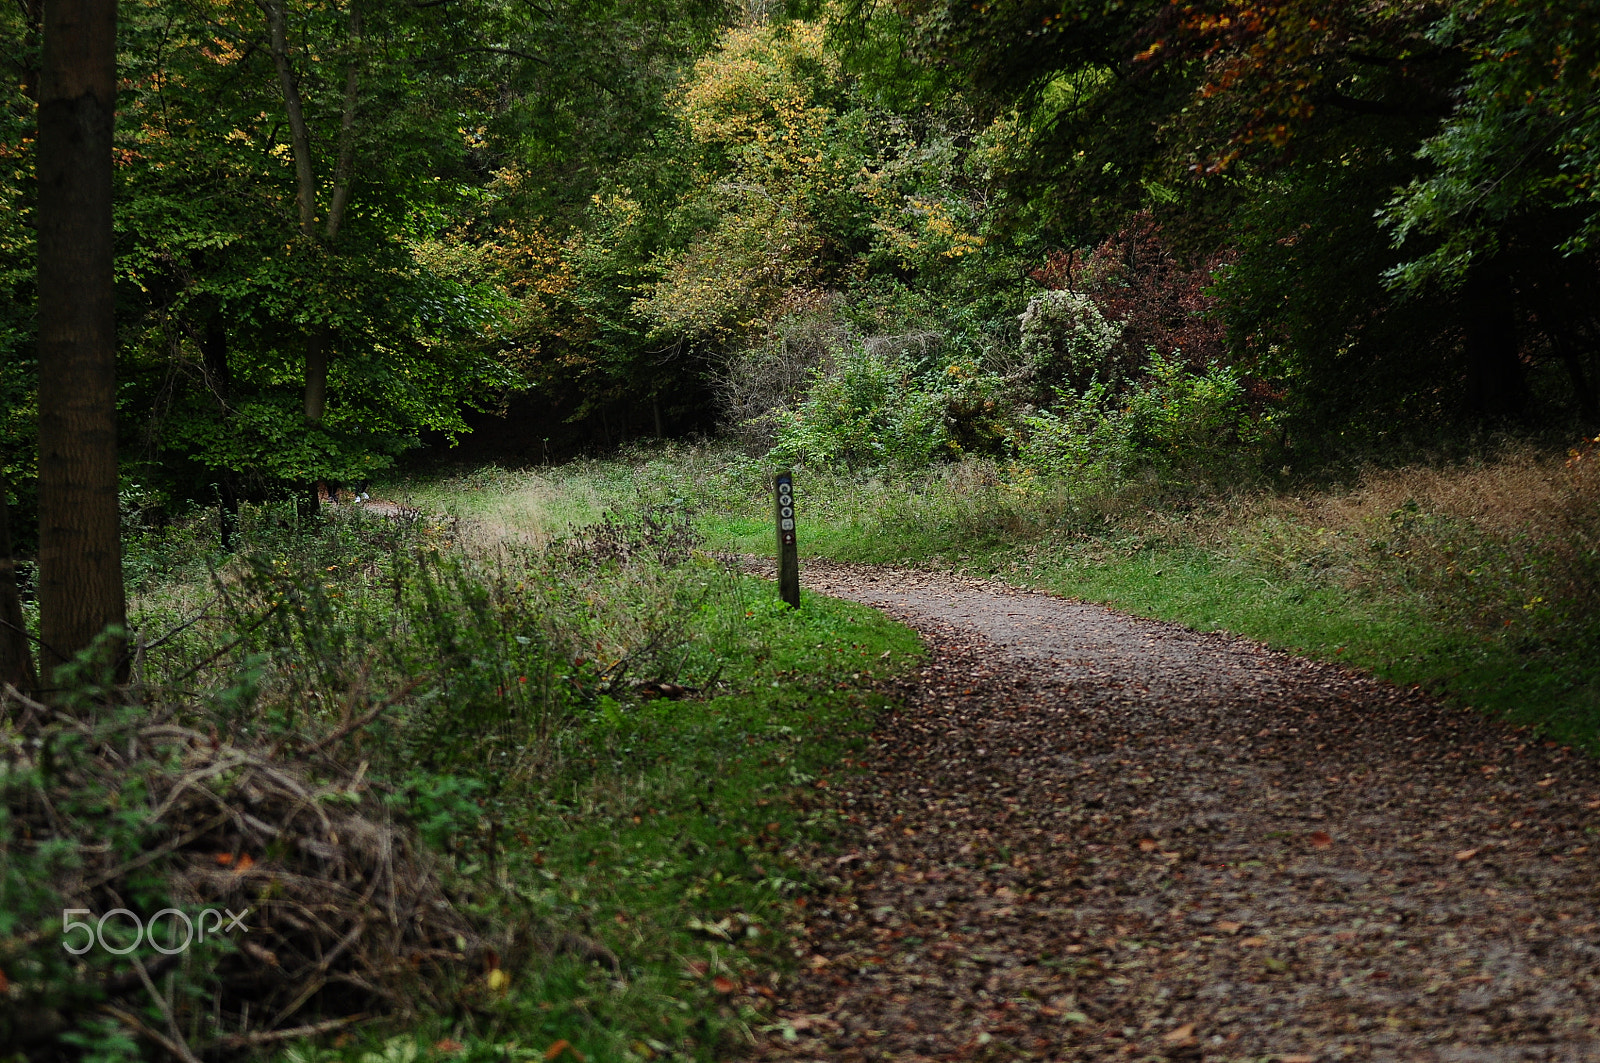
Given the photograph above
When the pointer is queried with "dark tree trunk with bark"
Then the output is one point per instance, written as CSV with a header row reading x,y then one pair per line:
x,y
16,659
1494,371
214,361
80,550
219,378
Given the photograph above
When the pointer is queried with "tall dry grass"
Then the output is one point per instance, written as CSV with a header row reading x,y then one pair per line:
x,y
1511,542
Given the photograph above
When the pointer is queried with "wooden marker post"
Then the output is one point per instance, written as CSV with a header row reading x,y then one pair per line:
x,y
788,554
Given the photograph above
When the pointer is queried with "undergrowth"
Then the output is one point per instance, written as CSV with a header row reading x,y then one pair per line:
x,y
613,745
1477,577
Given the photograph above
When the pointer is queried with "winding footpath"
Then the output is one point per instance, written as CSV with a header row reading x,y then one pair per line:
x,y
1084,836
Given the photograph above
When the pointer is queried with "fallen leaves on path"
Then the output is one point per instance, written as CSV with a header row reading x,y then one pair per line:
x,y
1083,836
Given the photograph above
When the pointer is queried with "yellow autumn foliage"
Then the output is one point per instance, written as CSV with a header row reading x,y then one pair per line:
x,y
759,109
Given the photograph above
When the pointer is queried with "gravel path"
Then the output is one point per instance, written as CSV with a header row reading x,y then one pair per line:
x,y
1087,836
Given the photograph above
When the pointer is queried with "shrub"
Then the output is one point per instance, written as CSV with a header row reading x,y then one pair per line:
x,y
1175,423
1081,441
1068,344
123,821
892,401
1164,304
760,380
1182,415
460,658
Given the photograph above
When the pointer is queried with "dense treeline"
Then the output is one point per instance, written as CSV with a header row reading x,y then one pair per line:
x,y
864,233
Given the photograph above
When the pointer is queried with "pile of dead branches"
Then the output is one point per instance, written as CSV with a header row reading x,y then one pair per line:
x,y
314,906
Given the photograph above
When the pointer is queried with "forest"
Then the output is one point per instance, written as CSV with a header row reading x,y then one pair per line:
x,y
344,235
449,348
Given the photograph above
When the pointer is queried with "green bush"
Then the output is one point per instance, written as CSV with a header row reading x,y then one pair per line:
x,y
1176,423
894,402
1067,344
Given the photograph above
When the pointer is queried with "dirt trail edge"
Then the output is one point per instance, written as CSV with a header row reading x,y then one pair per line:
x,y
1087,836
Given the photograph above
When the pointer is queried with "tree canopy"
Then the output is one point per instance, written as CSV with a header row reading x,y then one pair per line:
x,y
345,230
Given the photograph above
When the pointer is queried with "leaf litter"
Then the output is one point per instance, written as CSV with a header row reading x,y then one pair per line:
x,y
1081,835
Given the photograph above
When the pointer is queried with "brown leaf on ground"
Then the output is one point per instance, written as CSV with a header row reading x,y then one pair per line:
x,y
998,902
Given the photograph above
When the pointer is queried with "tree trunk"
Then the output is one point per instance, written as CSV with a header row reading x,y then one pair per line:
x,y
344,166
308,502
80,550
316,375
1588,407
1494,371
320,341
316,364
214,363
299,134
16,659
219,378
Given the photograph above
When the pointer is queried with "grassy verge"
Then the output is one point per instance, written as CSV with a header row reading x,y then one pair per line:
x,y
1479,581
616,747
670,846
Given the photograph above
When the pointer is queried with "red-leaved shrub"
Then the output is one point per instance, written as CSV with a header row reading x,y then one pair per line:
x,y
1134,277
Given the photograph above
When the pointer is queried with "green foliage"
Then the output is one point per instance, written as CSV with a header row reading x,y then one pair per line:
x,y
774,159
442,806
1067,343
644,840
1519,158
1283,131
804,184
1183,426
893,401
220,290
19,43
222,287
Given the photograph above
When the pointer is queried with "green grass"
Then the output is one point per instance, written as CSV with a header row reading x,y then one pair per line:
x,y
665,833
673,845
669,840
1136,552
1395,637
